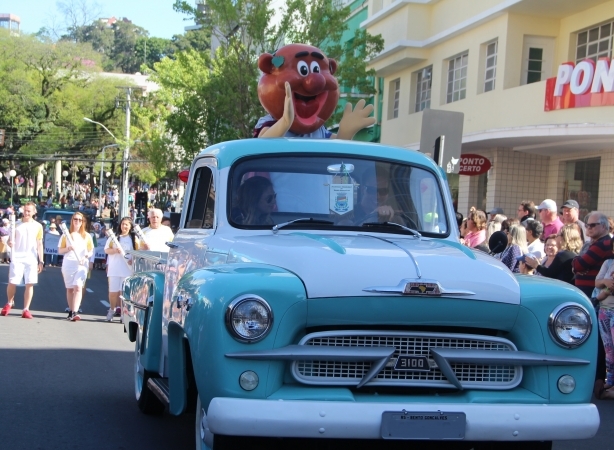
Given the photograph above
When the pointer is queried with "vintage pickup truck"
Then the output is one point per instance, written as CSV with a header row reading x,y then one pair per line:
x,y
316,289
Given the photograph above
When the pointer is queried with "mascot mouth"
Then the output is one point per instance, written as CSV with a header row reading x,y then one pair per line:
x,y
307,107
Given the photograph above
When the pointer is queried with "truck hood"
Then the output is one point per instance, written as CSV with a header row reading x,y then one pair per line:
x,y
362,265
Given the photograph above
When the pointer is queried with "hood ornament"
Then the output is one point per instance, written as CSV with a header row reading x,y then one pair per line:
x,y
418,287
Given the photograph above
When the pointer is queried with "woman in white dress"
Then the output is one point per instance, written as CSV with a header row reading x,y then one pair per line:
x,y
118,267
75,263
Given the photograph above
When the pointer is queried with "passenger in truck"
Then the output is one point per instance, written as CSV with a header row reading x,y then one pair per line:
x,y
257,200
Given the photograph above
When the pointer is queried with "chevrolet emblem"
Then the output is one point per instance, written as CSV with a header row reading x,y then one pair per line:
x,y
417,288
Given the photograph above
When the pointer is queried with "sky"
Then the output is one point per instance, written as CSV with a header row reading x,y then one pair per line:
x,y
156,16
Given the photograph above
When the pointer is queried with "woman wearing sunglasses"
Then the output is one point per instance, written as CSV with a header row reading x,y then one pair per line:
x,y
75,262
118,267
257,200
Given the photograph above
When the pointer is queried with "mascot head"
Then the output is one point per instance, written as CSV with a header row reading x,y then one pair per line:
x,y
315,91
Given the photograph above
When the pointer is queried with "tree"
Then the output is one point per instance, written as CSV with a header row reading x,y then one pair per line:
x,y
45,91
198,40
150,50
185,81
76,14
124,46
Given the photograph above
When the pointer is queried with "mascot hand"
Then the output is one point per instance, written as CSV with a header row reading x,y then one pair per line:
x,y
283,125
354,121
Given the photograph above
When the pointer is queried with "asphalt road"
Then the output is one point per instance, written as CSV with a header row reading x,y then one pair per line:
x,y
67,385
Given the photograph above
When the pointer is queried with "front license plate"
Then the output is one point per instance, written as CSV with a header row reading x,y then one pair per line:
x,y
412,363
423,425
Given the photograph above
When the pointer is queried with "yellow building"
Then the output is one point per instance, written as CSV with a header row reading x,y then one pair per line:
x,y
490,59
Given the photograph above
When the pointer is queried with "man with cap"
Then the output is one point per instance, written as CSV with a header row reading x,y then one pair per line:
x,y
493,212
548,214
571,210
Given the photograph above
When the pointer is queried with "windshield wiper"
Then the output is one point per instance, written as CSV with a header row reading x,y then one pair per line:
x,y
394,224
279,226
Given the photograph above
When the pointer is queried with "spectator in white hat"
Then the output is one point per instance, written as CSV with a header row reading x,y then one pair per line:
x,y
548,214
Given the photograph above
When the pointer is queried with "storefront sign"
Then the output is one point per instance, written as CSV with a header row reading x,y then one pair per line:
x,y
473,165
581,85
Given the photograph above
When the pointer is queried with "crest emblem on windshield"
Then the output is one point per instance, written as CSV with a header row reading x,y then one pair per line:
x,y
341,198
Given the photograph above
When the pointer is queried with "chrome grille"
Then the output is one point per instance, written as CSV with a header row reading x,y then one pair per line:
x,y
350,373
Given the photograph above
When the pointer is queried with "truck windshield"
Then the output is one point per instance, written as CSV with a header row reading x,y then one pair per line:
x,y
336,192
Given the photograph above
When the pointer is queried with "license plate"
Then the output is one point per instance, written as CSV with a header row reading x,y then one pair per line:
x,y
437,425
411,363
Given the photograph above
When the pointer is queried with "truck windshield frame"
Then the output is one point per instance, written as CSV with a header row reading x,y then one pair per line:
x,y
268,190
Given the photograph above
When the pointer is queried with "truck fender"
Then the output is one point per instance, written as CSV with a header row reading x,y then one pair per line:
x,y
177,369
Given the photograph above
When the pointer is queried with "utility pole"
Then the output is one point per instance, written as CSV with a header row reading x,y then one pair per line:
x,y
125,103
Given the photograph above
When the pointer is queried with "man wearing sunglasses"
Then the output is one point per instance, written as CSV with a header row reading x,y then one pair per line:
x,y
373,204
156,234
26,259
587,265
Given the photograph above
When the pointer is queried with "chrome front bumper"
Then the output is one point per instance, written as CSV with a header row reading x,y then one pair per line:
x,y
352,420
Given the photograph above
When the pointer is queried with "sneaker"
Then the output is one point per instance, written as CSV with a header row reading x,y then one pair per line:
x,y
6,309
26,314
118,312
69,314
110,313
75,318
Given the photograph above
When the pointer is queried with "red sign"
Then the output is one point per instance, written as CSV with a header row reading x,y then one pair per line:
x,y
581,85
474,165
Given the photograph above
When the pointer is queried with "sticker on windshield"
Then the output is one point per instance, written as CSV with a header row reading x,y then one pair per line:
x,y
341,198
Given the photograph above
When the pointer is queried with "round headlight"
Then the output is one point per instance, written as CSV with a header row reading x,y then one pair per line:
x,y
570,325
249,318
566,384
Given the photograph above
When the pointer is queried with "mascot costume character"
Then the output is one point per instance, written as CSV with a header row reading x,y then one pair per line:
x,y
300,93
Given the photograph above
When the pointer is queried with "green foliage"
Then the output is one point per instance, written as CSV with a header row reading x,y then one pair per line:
x,y
43,91
199,40
184,81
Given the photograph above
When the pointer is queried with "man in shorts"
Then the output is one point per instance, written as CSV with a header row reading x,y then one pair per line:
x,y
26,259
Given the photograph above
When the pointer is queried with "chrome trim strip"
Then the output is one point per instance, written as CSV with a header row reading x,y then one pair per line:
x,y
159,390
418,273
489,357
315,353
400,289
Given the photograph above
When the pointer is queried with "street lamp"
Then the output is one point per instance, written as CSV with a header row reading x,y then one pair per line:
x,y
12,174
98,123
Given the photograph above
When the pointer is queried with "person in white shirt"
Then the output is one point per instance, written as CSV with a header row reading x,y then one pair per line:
x,y
534,231
118,267
156,234
26,259
75,263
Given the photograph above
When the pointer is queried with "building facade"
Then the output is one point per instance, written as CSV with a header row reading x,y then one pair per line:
x,y
534,79
10,22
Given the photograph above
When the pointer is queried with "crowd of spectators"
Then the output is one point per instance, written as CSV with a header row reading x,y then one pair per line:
x,y
554,243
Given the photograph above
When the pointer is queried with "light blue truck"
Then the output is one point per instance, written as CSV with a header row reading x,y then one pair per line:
x,y
316,289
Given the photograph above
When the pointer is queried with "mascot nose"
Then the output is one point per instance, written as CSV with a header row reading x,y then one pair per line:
x,y
314,83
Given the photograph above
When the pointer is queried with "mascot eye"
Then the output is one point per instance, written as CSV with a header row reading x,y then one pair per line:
x,y
303,68
315,67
